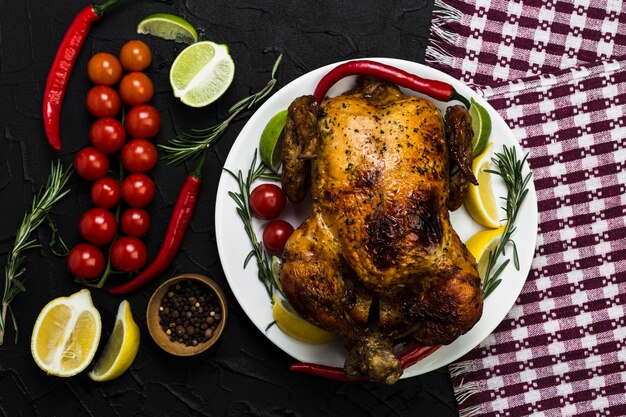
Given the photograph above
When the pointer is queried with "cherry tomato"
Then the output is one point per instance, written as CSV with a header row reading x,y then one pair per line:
x,y
137,190
135,56
107,134
128,254
139,155
143,121
85,261
136,88
267,201
98,226
103,101
135,222
105,193
275,235
104,69
91,164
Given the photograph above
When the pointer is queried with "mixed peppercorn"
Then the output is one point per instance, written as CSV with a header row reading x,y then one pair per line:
x,y
189,313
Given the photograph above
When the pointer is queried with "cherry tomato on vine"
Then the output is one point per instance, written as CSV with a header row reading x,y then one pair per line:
x,y
135,222
267,201
128,254
85,261
142,121
275,235
135,56
137,190
91,164
103,101
105,193
97,226
139,155
136,88
107,134
104,69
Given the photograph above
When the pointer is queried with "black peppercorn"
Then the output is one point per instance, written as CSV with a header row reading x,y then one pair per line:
x,y
189,313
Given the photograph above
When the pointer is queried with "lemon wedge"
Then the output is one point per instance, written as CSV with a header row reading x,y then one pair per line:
x,y
480,201
295,326
121,349
66,334
481,244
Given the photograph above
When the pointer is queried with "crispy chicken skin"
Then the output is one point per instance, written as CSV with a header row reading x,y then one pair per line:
x,y
378,261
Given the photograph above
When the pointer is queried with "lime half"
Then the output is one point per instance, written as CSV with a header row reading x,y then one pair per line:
x,y
201,73
168,26
271,143
481,125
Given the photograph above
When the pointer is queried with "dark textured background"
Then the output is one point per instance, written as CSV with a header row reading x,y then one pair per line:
x,y
245,374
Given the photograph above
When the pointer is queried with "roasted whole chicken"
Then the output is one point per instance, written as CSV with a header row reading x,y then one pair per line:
x,y
378,261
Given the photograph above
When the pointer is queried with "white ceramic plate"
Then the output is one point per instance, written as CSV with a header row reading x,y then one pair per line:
x,y
233,244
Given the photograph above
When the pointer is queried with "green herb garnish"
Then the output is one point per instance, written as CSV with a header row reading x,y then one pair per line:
x,y
242,200
191,145
510,168
14,277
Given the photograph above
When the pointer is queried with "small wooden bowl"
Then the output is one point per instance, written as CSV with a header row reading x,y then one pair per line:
x,y
157,332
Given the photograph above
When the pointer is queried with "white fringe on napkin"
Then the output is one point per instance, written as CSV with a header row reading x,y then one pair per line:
x,y
441,38
465,389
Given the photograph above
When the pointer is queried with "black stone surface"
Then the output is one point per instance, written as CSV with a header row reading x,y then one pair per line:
x,y
245,374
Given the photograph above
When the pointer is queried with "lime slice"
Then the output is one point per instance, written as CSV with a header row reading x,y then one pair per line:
x,y
201,73
481,125
275,267
271,143
168,26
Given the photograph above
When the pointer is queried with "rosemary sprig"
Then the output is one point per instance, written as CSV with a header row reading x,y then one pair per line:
x,y
242,200
191,145
14,277
510,168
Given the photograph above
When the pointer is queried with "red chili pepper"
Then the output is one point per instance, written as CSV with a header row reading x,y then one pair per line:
x,y
62,66
329,372
181,216
438,90
407,359
415,354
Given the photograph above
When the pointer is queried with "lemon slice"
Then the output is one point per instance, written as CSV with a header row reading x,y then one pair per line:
x,y
121,349
271,143
168,26
480,201
66,334
481,125
481,244
295,326
201,73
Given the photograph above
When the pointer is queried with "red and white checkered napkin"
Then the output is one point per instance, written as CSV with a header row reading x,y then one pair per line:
x,y
556,72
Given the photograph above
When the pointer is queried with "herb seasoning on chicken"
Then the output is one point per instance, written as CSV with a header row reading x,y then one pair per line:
x,y
378,261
